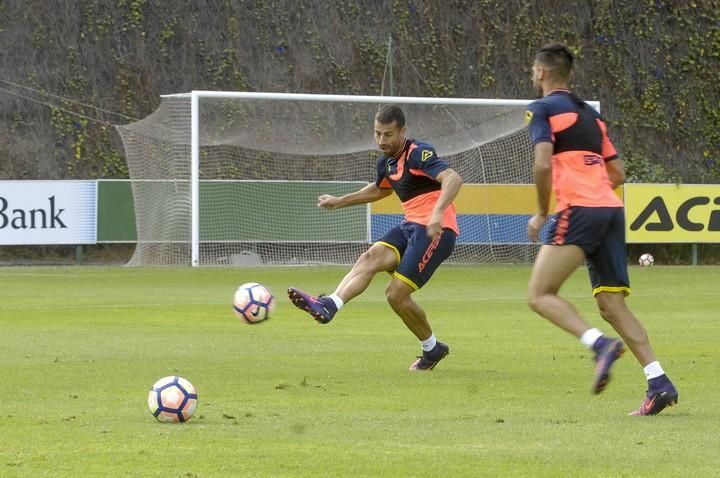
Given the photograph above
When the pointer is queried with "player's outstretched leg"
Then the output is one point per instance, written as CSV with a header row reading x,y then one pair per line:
x,y
428,360
321,308
607,351
661,393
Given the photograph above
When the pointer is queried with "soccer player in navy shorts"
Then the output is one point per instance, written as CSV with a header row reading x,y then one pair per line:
x,y
575,158
413,250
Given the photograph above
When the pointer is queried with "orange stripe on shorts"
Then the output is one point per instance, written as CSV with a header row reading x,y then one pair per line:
x,y
562,228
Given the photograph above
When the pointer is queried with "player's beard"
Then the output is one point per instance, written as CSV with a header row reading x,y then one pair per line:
x,y
394,149
538,91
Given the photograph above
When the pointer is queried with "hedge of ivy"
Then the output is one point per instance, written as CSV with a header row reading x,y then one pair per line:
x,y
72,69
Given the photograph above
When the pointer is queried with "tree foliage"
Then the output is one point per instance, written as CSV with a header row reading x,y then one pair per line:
x,y
72,69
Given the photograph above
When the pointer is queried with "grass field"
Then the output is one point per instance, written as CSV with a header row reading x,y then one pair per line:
x,y
80,347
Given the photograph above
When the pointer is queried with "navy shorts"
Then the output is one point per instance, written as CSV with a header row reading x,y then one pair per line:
x,y
418,255
600,233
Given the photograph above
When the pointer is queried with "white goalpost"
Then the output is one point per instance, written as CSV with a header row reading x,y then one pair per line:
x,y
231,178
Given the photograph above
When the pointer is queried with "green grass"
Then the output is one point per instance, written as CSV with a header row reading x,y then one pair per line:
x,y
80,347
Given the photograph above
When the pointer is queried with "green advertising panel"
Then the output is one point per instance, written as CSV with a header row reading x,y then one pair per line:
x,y
278,212
116,212
271,211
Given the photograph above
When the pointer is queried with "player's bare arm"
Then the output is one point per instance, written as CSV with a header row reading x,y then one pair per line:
x,y
450,182
542,173
369,193
616,172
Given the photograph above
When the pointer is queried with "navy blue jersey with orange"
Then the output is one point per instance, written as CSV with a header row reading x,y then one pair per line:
x,y
581,128
412,175
581,147
412,171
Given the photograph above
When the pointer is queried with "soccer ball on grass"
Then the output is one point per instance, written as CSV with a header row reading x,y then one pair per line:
x,y
253,303
646,260
172,399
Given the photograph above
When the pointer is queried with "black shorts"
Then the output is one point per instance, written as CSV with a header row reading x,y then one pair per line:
x,y
418,255
600,233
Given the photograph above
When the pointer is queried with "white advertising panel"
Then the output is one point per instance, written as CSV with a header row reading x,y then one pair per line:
x,y
48,212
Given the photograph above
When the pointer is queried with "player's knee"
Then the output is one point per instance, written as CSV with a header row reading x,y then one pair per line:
x,y
609,310
363,258
607,317
535,301
366,261
372,259
394,295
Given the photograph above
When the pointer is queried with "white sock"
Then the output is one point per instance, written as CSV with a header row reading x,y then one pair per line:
x,y
653,370
589,337
338,301
429,343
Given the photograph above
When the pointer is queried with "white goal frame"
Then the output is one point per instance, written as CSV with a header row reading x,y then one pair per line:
x,y
197,95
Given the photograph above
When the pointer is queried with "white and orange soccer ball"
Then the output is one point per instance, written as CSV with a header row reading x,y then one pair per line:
x,y
172,399
646,260
253,303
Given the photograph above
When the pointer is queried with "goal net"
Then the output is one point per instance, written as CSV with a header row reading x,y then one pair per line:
x,y
222,178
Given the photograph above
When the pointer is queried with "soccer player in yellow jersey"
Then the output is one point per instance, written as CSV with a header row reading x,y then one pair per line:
x,y
411,251
575,158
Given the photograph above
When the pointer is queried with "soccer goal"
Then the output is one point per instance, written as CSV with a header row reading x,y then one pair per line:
x,y
231,178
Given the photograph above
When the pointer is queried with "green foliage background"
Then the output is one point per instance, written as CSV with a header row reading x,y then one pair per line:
x,y
654,65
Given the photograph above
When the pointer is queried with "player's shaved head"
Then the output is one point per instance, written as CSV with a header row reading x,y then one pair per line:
x,y
556,58
389,113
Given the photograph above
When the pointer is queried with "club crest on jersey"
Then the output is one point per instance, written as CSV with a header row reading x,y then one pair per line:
x,y
528,116
427,154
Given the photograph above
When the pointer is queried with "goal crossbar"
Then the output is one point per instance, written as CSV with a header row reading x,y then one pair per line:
x,y
195,96
419,100
200,139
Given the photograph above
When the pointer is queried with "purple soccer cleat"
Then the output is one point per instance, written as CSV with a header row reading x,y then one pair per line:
x,y
607,351
661,394
428,360
321,308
